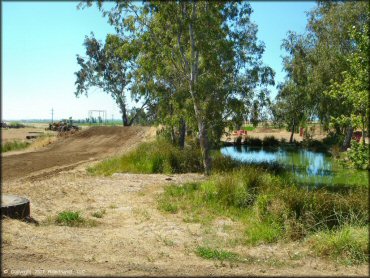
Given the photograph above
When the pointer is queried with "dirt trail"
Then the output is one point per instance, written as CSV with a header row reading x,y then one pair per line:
x,y
88,145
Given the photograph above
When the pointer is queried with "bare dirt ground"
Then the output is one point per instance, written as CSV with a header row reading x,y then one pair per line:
x,y
67,152
133,237
21,133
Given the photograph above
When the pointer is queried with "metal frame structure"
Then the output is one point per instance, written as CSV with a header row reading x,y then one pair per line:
x,y
104,114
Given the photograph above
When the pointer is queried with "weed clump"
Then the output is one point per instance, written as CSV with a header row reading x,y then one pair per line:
x,y
73,219
214,254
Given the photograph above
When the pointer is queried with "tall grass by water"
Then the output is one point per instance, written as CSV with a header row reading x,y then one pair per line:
x,y
271,209
160,156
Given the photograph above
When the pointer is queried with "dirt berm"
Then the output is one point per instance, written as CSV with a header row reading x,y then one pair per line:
x,y
66,153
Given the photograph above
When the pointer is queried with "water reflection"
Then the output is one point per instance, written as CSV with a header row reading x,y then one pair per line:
x,y
307,166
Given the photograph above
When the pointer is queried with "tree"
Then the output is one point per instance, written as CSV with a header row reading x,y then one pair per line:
x,y
108,66
292,98
204,53
353,91
331,46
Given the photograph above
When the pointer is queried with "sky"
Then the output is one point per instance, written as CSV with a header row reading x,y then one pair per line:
x,y
40,41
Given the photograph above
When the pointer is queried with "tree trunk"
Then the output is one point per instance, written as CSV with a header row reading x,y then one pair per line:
x,y
204,147
122,107
363,130
203,134
182,133
292,134
173,136
347,139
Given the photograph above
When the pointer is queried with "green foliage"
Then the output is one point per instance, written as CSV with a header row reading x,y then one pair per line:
x,y
158,156
263,232
214,254
199,75
249,128
13,146
359,155
348,245
73,219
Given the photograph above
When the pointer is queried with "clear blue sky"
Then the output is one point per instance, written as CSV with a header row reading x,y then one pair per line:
x,y
40,41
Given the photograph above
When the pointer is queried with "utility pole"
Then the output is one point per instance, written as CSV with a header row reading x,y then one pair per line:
x,y
52,115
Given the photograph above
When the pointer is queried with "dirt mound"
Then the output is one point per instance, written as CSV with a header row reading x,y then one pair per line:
x,y
66,153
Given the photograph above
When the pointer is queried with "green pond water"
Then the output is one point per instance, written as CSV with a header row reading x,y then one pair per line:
x,y
308,167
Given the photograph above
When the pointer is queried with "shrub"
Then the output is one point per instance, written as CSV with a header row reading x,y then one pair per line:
x,y
333,139
270,141
254,142
359,155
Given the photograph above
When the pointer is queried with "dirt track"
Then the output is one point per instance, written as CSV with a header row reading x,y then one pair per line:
x,y
85,146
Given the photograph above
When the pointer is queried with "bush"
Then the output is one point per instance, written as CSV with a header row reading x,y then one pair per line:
x,y
359,155
333,139
270,141
253,142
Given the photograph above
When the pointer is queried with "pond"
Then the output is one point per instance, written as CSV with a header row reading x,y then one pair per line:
x,y
308,167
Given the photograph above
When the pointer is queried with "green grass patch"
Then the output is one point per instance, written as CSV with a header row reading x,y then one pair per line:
x,y
73,219
215,254
14,146
348,245
249,128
